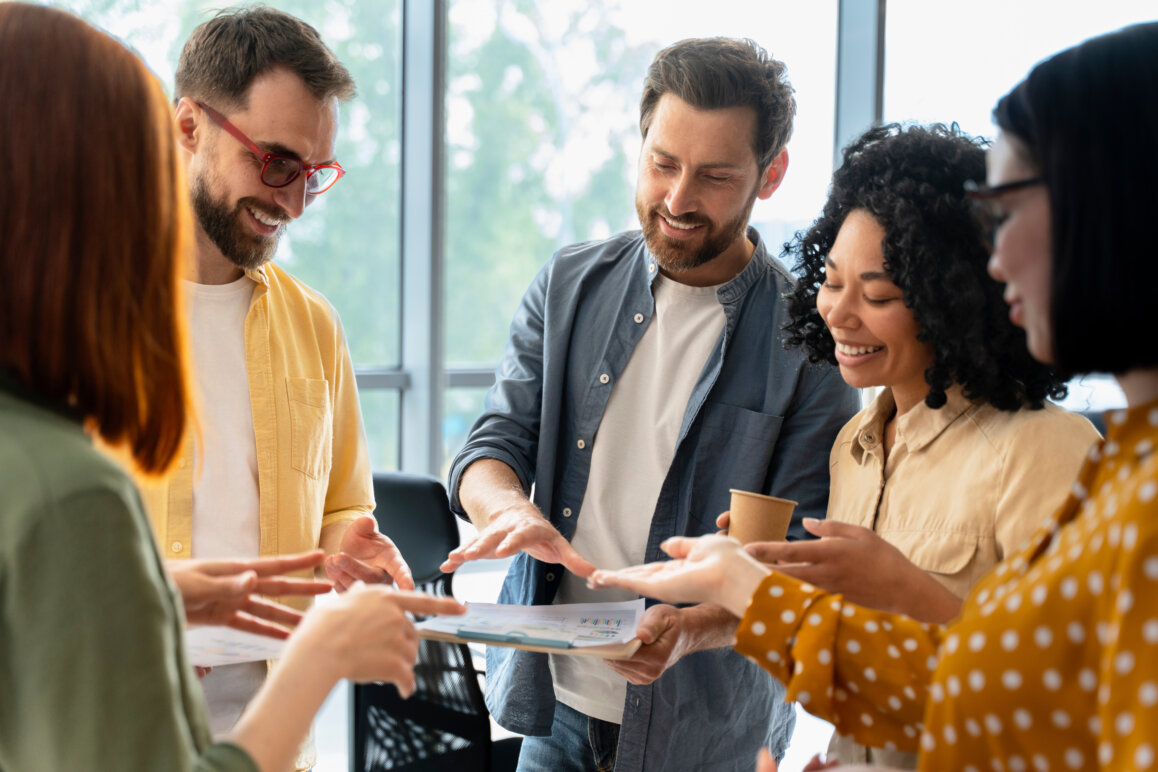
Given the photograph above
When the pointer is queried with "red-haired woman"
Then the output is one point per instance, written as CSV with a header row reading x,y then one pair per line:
x,y
93,224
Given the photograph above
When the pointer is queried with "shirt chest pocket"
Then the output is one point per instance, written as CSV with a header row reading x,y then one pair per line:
x,y
311,426
734,450
949,556
742,441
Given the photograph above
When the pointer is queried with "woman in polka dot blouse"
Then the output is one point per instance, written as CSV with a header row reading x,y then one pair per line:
x,y
1053,661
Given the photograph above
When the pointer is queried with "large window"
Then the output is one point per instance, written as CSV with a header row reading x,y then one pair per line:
x,y
952,62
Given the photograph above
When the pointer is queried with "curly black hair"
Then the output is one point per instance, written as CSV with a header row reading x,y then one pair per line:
x,y
910,179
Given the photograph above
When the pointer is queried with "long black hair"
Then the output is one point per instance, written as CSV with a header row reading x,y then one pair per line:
x,y
1088,118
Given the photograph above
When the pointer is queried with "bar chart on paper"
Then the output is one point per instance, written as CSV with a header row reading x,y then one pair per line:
x,y
597,629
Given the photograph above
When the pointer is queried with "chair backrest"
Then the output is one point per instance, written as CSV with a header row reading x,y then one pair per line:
x,y
414,511
444,724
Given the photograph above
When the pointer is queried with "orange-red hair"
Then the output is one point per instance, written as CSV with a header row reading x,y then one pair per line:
x,y
94,232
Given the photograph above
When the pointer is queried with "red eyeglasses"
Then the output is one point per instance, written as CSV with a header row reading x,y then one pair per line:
x,y
279,170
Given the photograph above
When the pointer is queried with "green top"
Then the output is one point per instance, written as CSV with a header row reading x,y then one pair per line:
x,y
93,670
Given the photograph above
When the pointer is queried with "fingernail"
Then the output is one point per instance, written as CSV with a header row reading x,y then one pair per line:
x,y
811,520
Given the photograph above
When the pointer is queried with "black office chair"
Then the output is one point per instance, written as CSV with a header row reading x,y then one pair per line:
x,y
444,725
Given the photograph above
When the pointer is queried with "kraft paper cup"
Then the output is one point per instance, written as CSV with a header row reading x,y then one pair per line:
x,y
756,517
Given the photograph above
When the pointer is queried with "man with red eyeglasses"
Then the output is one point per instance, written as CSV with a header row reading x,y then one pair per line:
x,y
279,463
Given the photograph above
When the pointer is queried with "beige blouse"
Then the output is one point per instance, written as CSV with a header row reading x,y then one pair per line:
x,y
1052,665
963,487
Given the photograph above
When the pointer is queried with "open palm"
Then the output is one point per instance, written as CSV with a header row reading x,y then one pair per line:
x,y
706,569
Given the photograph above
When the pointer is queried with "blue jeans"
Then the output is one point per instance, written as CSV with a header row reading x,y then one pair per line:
x,y
577,743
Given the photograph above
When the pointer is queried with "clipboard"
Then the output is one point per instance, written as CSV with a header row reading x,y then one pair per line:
x,y
544,645
604,630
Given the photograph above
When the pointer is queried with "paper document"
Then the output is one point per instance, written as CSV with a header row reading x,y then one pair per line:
x,y
596,629
214,646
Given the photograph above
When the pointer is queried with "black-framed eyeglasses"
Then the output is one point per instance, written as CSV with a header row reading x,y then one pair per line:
x,y
985,197
279,170
979,191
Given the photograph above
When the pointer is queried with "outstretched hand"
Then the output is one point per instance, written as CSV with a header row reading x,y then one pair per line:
x,y
520,529
365,555
706,569
857,563
227,592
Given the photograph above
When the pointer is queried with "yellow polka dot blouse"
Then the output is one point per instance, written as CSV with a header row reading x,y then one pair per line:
x,y
1052,665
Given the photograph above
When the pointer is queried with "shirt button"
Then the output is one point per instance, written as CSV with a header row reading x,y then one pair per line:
x,y
651,267
566,511
581,444
177,546
638,318
604,378
550,577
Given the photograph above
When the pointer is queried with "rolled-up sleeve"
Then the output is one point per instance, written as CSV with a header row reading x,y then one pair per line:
x,y
508,429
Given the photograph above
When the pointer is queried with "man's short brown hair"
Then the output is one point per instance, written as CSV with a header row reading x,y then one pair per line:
x,y
718,73
226,54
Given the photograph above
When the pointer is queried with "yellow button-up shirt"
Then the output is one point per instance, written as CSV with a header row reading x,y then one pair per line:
x,y
962,488
313,466
312,461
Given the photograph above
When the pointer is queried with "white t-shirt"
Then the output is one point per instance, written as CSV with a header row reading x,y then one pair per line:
x,y
630,457
225,490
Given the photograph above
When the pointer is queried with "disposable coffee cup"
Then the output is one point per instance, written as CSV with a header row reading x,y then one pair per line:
x,y
756,517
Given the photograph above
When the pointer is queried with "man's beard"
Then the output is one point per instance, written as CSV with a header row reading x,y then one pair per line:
x,y
675,256
224,228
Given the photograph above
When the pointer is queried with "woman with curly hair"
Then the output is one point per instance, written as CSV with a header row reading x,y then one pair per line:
x,y
960,456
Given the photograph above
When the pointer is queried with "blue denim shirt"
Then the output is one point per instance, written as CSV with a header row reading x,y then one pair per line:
x,y
759,418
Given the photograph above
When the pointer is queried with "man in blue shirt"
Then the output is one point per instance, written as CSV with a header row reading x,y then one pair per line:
x,y
646,376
